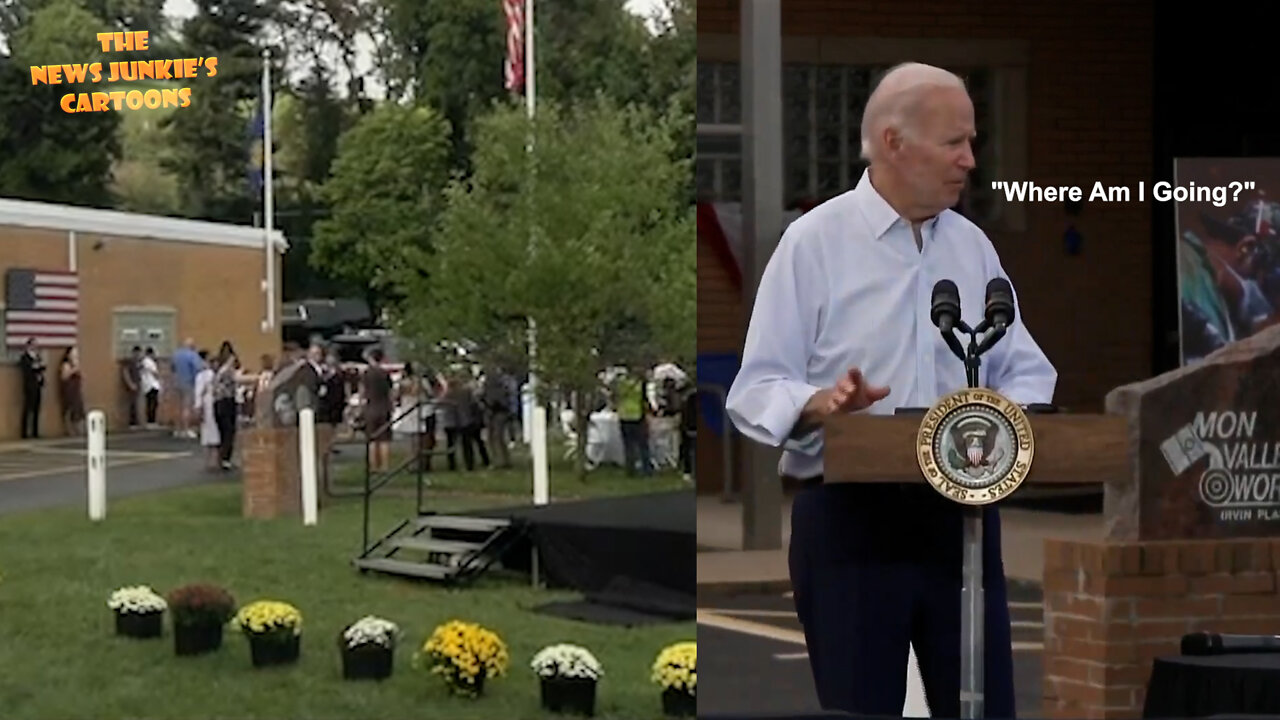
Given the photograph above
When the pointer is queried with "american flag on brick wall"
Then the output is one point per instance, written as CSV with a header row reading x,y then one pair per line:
x,y
514,65
41,304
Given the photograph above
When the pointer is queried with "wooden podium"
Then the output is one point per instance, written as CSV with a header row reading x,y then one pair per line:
x,y
1070,449
1191,518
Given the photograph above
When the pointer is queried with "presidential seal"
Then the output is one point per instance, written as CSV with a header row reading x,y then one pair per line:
x,y
975,446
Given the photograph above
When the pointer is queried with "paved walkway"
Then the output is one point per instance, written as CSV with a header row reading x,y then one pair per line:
x,y
53,473
724,565
752,641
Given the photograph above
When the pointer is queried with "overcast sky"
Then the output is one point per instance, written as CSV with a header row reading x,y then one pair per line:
x,y
364,59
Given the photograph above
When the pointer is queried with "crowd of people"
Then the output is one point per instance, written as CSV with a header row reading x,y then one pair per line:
x,y
461,411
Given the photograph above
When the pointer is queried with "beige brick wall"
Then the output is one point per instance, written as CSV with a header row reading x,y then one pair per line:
x,y
214,290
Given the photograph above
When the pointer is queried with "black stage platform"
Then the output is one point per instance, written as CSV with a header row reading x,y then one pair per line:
x,y
634,558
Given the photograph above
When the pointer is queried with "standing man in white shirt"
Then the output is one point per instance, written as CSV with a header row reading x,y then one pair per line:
x,y
841,324
151,386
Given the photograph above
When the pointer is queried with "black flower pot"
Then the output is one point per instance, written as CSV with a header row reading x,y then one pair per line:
x,y
569,696
370,661
196,638
678,703
271,650
475,688
140,625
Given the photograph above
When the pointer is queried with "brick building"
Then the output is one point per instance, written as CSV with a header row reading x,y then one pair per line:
x,y
1063,95
143,280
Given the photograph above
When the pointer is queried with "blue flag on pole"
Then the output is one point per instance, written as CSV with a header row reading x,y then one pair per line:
x,y
255,132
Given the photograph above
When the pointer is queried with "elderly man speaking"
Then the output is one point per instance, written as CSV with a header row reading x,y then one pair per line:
x,y
841,324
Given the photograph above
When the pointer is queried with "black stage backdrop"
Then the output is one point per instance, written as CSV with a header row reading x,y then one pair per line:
x,y
637,552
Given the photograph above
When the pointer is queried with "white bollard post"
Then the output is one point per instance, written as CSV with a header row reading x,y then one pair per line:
x,y
96,426
307,463
527,403
541,483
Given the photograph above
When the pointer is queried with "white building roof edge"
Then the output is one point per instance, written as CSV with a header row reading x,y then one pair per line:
x,y
51,216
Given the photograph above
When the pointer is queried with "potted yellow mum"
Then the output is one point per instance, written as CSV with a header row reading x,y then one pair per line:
x,y
274,630
464,655
676,671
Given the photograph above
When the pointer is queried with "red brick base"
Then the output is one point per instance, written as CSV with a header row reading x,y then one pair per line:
x,y
1112,608
272,472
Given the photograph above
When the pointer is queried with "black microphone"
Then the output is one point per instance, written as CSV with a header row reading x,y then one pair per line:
x,y
999,310
1207,643
945,312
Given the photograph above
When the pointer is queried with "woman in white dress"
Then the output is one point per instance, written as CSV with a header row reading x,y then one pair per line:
x,y
210,438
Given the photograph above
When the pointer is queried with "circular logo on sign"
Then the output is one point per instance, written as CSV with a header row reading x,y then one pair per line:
x,y
1215,486
975,446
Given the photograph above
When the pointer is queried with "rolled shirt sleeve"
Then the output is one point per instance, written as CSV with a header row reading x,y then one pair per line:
x,y
771,387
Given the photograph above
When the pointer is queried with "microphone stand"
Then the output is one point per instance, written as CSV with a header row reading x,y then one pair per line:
x,y
972,597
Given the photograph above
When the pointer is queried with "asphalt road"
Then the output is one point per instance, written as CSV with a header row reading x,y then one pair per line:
x,y
52,474
752,660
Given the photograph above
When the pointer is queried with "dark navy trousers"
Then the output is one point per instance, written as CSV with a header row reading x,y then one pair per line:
x,y
877,567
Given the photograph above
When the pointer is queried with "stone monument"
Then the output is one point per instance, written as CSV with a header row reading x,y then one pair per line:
x,y
1192,532
272,467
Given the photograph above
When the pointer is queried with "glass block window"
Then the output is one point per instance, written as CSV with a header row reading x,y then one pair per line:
x,y
822,128
719,157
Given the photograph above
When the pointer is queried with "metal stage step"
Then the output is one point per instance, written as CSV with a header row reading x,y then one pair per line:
x,y
470,546
433,545
404,567
462,522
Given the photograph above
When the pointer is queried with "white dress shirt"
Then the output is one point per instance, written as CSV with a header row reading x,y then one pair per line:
x,y
847,287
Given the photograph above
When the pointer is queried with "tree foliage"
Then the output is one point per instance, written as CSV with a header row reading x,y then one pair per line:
x,y
211,137
586,236
384,195
45,153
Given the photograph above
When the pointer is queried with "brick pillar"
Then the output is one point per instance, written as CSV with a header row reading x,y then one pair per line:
x,y
1111,608
272,472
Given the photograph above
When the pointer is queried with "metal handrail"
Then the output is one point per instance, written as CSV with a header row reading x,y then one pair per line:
x,y
418,458
726,491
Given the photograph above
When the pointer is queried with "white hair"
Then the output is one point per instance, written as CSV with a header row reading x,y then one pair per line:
x,y
895,100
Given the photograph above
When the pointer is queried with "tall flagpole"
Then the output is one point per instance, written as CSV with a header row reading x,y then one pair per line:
x,y
530,96
268,199
538,438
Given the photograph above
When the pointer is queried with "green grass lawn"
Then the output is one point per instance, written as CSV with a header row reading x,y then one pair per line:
x,y
517,481
60,659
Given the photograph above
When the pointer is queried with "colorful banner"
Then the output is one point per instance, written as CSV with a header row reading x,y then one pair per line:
x,y
1228,257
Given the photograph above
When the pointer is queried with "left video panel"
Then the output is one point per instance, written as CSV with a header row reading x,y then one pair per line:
x,y
352,347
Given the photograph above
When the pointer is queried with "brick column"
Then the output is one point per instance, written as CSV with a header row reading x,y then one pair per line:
x,y
272,472
1111,608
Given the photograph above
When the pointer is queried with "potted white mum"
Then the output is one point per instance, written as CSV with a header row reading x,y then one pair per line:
x,y
368,648
139,611
569,675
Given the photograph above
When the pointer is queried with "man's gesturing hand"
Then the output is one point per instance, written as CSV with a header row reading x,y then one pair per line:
x,y
852,393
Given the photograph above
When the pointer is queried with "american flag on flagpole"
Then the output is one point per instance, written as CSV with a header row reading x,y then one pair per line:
x,y
514,65
43,305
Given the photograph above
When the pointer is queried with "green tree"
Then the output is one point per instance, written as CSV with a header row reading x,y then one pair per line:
x,y
114,14
584,244
210,138
141,182
45,153
384,195
449,54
